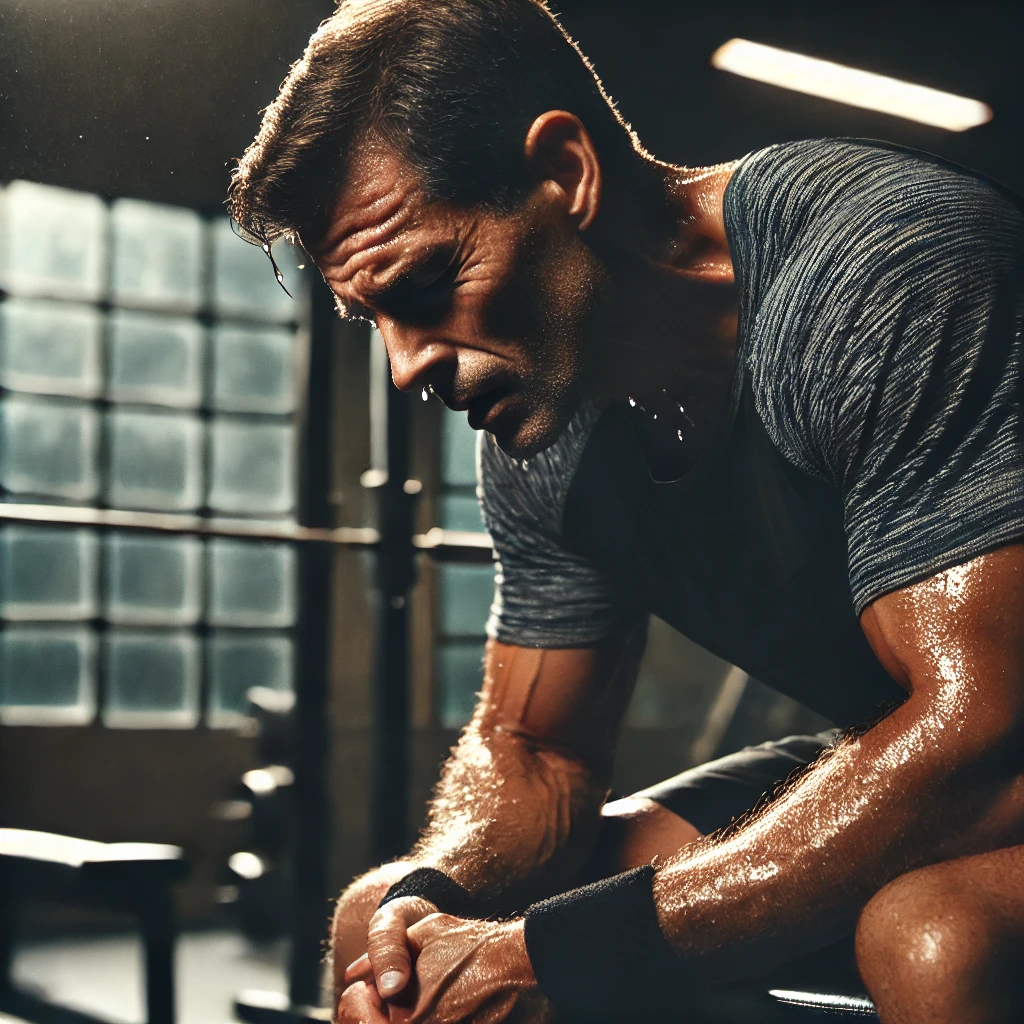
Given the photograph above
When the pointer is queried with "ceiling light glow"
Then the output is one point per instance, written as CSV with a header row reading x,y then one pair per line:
x,y
848,85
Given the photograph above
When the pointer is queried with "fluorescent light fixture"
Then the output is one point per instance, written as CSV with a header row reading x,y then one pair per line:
x,y
848,85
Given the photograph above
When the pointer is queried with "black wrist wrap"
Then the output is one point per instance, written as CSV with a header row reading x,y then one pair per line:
x,y
445,893
599,953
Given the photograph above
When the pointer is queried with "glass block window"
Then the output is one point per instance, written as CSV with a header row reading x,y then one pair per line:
x,y
148,362
464,592
48,574
158,259
50,348
239,659
154,460
251,584
252,467
53,243
152,678
49,448
153,580
155,360
47,674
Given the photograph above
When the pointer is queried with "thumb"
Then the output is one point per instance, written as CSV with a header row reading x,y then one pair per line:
x,y
388,944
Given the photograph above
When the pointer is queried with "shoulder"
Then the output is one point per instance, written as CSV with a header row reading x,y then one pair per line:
x,y
876,252
813,172
810,201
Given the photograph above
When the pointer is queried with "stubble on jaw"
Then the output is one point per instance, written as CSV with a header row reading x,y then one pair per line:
x,y
558,307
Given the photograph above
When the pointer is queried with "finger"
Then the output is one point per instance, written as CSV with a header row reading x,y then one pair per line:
x,y
358,970
427,929
387,946
360,1004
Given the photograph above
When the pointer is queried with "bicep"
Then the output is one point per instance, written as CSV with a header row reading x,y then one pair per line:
x,y
570,699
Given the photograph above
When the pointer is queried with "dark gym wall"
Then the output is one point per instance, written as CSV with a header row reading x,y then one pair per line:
x,y
654,58
142,98
84,82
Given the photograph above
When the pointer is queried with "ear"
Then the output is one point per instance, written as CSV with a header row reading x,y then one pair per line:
x,y
559,149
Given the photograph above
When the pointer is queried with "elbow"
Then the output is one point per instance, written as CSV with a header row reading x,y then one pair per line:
x,y
969,725
974,749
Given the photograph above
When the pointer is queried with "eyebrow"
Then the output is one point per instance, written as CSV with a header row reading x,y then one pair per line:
x,y
443,254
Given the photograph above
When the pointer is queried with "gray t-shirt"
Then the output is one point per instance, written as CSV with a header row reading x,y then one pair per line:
x,y
876,434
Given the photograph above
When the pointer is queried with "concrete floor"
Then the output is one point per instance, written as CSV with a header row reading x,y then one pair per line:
x,y
102,975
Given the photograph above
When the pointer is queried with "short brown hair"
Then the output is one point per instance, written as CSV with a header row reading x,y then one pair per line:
x,y
451,85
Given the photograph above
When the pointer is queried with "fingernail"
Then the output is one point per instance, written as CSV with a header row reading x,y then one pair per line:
x,y
390,981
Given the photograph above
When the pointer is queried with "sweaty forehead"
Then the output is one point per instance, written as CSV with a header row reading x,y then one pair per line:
x,y
379,199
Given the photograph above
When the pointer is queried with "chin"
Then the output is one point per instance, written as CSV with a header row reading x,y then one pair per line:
x,y
523,439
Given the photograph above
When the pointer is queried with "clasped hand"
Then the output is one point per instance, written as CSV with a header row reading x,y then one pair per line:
x,y
424,967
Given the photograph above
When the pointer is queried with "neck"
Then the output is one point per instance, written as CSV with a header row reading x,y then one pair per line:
x,y
670,325
672,312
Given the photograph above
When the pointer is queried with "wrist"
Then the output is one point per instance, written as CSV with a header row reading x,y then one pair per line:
x,y
438,889
599,953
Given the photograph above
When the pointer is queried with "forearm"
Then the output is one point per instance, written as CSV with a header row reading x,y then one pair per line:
x,y
922,785
511,820
517,811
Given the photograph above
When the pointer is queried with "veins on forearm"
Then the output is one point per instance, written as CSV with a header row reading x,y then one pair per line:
x,y
510,819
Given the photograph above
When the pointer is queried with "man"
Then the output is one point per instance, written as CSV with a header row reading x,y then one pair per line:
x,y
776,402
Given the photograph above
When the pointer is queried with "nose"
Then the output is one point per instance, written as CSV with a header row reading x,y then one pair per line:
x,y
417,356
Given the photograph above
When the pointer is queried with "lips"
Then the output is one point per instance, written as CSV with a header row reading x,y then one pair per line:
x,y
485,408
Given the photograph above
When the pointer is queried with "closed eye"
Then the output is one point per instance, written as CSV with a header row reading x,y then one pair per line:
x,y
420,297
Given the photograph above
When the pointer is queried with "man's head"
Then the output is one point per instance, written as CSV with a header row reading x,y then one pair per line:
x,y
441,160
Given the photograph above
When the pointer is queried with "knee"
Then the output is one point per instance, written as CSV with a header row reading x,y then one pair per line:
x,y
925,948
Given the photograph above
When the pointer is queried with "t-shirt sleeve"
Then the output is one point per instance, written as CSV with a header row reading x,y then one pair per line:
x,y
544,594
905,385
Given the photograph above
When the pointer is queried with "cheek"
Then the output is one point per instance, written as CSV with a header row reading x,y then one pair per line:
x,y
511,311
546,307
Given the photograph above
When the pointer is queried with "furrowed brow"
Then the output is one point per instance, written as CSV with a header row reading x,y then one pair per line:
x,y
434,258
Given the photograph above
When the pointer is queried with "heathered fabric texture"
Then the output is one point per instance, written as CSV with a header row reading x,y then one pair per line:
x,y
544,595
885,354
882,298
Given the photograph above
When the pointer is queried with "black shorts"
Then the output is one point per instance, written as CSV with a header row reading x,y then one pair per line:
x,y
713,794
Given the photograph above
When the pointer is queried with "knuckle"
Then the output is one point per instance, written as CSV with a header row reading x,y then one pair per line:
x,y
382,931
387,950
381,917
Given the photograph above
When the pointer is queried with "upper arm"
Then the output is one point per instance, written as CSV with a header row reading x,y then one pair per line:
x,y
567,699
956,641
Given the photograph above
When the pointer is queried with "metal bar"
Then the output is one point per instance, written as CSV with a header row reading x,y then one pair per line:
x,y
445,545
720,716
27,1006
156,916
455,545
310,849
396,570
160,522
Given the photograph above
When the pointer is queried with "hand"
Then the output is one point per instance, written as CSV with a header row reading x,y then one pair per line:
x,y
387,958
360,1004
476,972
